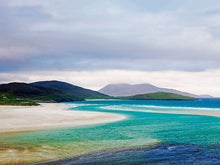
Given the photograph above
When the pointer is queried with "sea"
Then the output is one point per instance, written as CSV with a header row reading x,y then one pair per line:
x,y
154,132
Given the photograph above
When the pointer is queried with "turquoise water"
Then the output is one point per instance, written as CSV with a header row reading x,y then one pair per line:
x,y
195,136
161,127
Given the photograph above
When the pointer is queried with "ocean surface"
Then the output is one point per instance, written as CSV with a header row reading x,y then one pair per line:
x,y
154,132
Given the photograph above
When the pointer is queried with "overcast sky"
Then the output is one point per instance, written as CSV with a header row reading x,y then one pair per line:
x,y
172,43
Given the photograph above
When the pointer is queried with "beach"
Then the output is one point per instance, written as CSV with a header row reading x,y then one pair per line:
x,y
56,115
18,120
65,131
48,116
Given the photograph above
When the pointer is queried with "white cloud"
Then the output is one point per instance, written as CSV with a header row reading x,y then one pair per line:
x,y
206,82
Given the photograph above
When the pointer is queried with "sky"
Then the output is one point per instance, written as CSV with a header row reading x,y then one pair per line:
x,y
172,43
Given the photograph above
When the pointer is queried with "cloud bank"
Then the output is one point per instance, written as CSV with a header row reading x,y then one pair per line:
x,y
133,35
171,43
195,82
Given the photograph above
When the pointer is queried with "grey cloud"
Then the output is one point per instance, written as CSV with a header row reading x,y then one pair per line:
x,y
72,36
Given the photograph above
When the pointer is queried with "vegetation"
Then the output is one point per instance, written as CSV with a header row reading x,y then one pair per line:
x,y
26,94
150,96
47,91
14,101
69,89
56,91
158,96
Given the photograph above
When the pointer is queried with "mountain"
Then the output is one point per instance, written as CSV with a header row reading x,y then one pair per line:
x,y
27,94
159,96
23,90
130,90
69,89
44,91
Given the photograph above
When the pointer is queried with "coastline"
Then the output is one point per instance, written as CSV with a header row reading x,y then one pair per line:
x,y
85,142
49,116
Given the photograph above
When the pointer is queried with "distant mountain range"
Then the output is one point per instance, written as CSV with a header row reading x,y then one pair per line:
x,y
56,91
130,90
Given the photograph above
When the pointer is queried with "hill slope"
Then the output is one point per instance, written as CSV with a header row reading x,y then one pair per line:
x,y
130,90
69,89
22,93
44,91
159,96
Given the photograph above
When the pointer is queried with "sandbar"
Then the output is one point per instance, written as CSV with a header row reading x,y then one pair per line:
x,y
49,115
183,113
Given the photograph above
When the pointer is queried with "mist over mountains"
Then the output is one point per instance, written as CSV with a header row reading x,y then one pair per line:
x,y
129,90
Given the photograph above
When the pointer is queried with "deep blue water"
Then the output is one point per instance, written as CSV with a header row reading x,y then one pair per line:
x,y
161,154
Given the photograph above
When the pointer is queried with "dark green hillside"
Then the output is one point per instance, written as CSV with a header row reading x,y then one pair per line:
x,y
44,91
26,94
159,96
70,89
24,90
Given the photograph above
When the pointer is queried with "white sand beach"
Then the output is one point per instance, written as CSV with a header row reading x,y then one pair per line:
x,y
49,115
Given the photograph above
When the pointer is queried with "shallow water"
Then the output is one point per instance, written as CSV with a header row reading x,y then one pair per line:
x,y
161,154
167,135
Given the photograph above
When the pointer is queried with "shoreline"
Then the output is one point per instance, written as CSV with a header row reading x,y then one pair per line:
x,y
32,151
15,119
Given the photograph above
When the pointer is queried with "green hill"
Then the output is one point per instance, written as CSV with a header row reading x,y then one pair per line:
x,y
44,91
27,94
158,96
56,91
69,89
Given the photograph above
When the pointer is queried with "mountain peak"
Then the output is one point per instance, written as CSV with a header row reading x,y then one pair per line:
x,y
124,89
67,88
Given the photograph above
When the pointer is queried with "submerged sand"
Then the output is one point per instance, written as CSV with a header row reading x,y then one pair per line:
x,y
49,115
215,114
184,113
